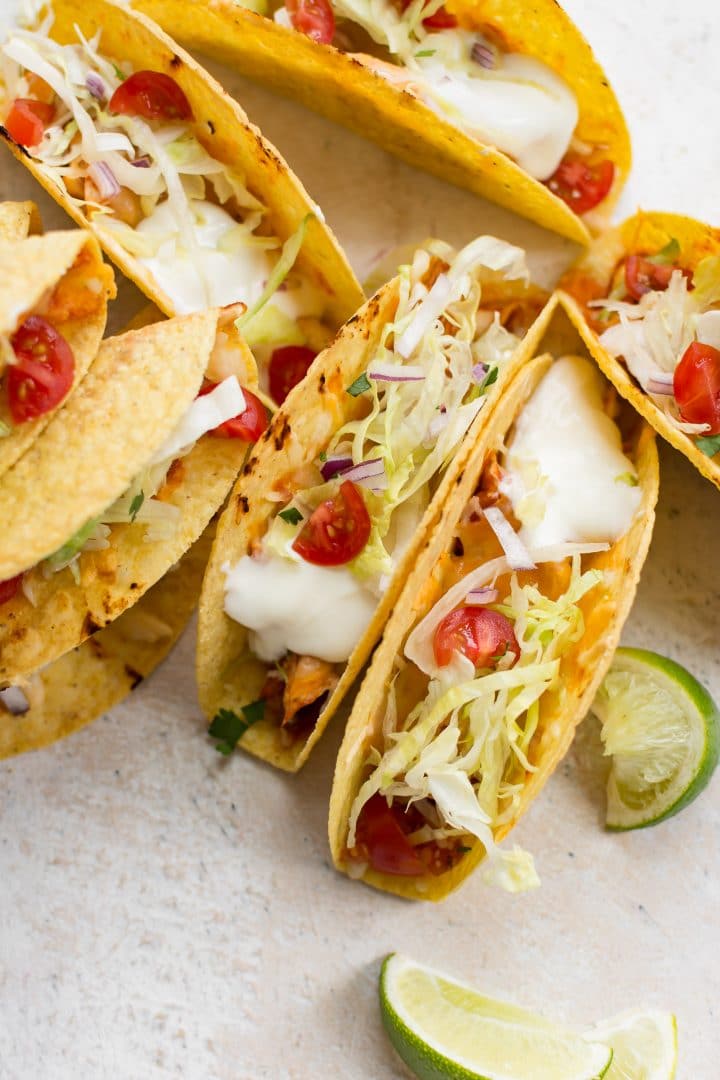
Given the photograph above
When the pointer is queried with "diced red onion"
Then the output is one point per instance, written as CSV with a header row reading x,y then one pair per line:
x,y
479,372
96,86
14,700
104,180
485,595
396,373
333,466
141,162
516,553
483,54
661,384
370,474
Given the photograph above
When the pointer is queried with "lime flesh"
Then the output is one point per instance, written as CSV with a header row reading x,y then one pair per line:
x,y
662,730
644,1045
445,1030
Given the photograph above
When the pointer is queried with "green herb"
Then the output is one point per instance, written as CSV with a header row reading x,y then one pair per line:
x,y
119,74
292,515
361,384
669,254
426,52
5,429
135,505
323,455
228,728
627,478
489,379
709,445
463,848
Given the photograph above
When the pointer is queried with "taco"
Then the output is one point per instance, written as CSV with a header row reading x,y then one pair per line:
x,y
18,220
333,504
646,299
141,146
123,480
504,99
54,291
92,678
500,637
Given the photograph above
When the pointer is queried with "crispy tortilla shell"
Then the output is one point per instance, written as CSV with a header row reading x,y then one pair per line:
x,y
582,667
346,90
224,130
97,675
590,278
228,675
19,220
65,269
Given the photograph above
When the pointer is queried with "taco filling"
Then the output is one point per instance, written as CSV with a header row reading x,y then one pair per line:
x,y
662,320
308,589
122,145
461,730
504,99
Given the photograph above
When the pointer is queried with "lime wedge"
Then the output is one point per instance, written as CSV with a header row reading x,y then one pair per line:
x,y
644,1045
662,730
445,1030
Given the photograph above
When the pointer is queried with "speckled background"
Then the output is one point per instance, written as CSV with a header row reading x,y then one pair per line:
x,y
164,913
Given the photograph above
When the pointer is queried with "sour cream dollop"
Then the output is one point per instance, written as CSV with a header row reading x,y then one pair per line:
x,y
293,606
565,471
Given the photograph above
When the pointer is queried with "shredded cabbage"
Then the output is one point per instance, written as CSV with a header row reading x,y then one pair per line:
x,y
466,744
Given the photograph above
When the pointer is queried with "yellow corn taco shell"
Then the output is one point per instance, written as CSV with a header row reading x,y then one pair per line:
x,y
97,675
228,677
590,279
583,664
344,88
225,131
54,612
18,220
61,276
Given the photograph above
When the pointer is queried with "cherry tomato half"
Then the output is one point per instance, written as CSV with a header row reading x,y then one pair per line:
x,y
482,635
580,185
249,425
337,530
27,120
644,276
288,366
10,588
43,372
439,20
696,386
314,18
151,94
379,831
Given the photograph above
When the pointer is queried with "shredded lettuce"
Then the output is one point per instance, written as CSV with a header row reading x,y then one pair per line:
x,y
288,255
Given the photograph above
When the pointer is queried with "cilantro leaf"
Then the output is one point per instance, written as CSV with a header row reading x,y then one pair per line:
x,y
627,478
323,455
361,384
135,505
292,515
228,728
709,445
489,379
119,74
426,52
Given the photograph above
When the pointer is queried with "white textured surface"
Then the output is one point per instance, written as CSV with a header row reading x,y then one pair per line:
x,y
165,913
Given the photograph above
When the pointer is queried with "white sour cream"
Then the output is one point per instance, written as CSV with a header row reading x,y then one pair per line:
x,y
292,606
565,472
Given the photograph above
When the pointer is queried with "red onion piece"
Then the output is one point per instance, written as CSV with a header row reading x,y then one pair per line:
x,y
661,384
333,466
104,180
14,700
96,86
370,474
141,162
516,553
396,373
479,372
483,54
485,595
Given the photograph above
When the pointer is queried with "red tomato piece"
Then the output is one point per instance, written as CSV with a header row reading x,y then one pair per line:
x,y
43,372
10,588
696,386
151,94
314,18
388,848
644,276
337,530
27,120
580,185
249,425
440,20
480,634
288,366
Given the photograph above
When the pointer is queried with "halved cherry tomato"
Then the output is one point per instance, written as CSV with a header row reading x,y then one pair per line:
x,y
27,120
482,635
439,20
337,530
151,94
249,425
580,185
643,276
388,849
10,588
314,18
288,366
696,386
43,372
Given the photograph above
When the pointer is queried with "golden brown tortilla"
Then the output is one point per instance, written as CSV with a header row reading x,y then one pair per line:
x,y
19,220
